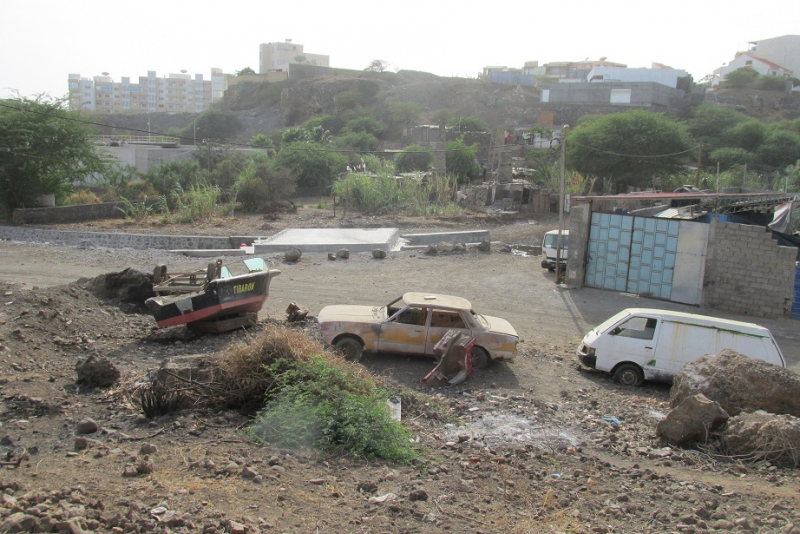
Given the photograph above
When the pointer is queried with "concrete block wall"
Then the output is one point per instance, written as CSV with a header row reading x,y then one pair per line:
x,y
747,272
110,240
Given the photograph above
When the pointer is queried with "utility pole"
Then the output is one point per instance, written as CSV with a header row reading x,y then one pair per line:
x,y
699,161
559,273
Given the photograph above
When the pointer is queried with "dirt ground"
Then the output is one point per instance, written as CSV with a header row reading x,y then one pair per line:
x,y
535,445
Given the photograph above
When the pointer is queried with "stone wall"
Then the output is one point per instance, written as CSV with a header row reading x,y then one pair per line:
x,y
110,240
747,272
67,214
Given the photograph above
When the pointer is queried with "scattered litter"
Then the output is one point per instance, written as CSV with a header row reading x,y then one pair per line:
x,y
611,420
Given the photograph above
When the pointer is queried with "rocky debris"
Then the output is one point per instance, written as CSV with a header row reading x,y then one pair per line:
x,y
378,254
763,436
738,384
331,256
130,285
96,372
292,255
432,250
343,254
87,426
485,246
295,313
692,421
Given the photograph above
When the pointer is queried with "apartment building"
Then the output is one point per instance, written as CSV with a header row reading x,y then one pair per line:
x,y
176,93
276,57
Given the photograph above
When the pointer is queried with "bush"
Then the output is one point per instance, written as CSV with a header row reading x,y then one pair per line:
x,y
771,83
332,407
368,194
262,182
81,196
365,124
414,158
200,203
358,141
314,165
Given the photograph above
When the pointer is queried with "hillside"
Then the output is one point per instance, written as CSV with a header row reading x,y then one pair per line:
x,y
269,106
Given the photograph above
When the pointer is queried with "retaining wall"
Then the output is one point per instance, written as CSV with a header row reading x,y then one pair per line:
x,y
747,272
109,240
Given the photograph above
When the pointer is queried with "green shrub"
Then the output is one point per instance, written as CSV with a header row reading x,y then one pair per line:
x,y
200,203
414,158
317,404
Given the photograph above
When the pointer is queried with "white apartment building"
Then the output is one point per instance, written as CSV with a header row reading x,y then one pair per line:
x,y
176,93
276,57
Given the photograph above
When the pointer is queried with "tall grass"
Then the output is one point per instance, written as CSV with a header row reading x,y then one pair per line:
x,y
200,203
432,195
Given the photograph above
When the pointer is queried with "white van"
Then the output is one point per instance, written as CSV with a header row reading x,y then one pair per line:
x,y
640,344
549,244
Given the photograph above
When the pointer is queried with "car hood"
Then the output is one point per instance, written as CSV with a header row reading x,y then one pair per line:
x,y
361,314
500,326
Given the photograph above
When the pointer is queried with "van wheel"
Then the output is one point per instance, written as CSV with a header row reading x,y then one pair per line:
x,y
629,374
479,357
351,348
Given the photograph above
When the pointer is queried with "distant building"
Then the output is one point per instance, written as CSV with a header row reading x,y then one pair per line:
x,y
663,75
779,56
576,70
176,93
276,57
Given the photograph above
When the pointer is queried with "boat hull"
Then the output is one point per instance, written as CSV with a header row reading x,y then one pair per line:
x,y
222,297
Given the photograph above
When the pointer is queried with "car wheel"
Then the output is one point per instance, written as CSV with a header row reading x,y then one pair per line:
x,y
351,348
479,357
629,374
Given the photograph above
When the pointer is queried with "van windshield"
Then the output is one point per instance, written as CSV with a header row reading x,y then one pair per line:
x,y
551,239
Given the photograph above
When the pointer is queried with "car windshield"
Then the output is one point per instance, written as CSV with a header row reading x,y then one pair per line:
x,y
551,239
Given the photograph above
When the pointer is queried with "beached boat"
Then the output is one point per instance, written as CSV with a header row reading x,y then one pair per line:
x,y
220,291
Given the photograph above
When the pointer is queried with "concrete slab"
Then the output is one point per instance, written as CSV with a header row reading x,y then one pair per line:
x,y
330,240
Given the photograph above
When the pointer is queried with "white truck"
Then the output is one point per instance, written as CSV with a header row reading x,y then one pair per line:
x,y
549,250
640,344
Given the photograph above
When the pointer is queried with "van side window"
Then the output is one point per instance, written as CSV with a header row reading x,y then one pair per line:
x,y
637,327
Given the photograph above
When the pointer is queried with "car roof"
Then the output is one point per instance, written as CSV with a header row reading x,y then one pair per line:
x,y
428,299
702,320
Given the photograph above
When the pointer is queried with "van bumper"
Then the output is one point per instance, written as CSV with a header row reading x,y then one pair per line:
x,y
587,356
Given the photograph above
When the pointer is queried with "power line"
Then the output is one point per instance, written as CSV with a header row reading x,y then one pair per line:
x,y
634,155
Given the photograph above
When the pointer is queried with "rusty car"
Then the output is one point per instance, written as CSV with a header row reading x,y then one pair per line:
x,y
413,324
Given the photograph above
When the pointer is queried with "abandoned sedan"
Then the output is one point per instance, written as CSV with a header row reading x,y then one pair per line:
x,y
413,324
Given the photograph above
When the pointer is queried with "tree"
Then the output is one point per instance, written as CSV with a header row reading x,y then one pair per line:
x,y
362,141
247,71
728,157
771,83
331,123
708,121
366,124
779,149
413,158
403,114
740,78
631,148
461,160
315,165
44,150
747,135
261,181
468,124
262,141
175,175
377,65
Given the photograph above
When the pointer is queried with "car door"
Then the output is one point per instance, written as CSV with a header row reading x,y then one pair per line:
x,y
405,332
633,340
441,321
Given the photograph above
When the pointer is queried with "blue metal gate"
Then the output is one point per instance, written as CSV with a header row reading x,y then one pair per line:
x,y
633,254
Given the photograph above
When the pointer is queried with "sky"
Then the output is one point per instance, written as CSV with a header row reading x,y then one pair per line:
x,y
42,42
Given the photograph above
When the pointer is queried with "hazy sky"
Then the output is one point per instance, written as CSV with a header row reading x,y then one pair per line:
x,y
44,41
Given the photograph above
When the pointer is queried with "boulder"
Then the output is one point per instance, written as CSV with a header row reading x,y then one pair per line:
x,y
738,384
292,255
432,250
343,253
692,421
763,436
378,254
96,372
485,246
